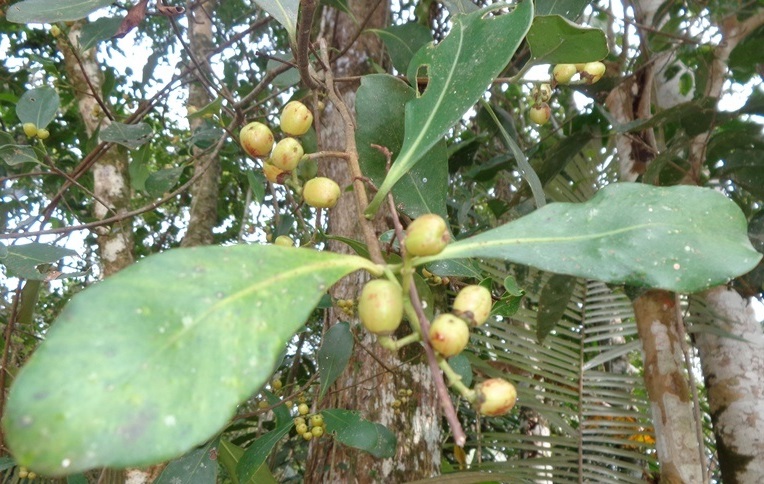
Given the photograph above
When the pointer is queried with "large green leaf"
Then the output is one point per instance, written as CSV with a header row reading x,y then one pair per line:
x,y
22,260
229,456
679,238
254,457
334,355
51,11
38,106
285,13
380,108
154,360
556,40
130,135
197,467
571,9
459,70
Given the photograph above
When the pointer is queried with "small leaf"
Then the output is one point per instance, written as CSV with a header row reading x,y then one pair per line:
x,y
461,365
49,11
460,68
197,467
556,40
403,41
162,181
285,13
13,154
510,284
210,109
157,357
138,168
38,106
680,238
281,412
455,268
334,354
257,184
97,31
130,135
22,260
255,455
229,455
352,430
553,302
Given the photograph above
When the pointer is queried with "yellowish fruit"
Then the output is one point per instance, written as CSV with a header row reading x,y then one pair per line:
x,y
593,71
296,119
274,174
299,421
287,154
473,304
55,31
316,420
30,129
307,435
540,113
449,335
301,429
321,192
545,92
303,409
495,397
43,133
563,73
317,431
427,235
276,384
380,307
256,139
284,241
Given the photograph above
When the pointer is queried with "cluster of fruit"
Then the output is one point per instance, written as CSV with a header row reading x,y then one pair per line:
x,y
312,428
281,160
381,309
32,131
25,473
404,394
589,73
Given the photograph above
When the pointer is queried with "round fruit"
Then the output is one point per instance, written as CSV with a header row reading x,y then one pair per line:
x,y
316,420
593,71
427,235
317,431
303,409
495,397
274,174
563,73
307,169
284,241
307,435
299,421
540,113
545,92
287,154
43,133
55,31
256,139
30,129
380,306
449,335
262,404
296,118
301,429
473,303
321,192
276,384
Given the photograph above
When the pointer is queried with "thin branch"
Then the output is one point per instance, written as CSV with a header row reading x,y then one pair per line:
x,y
304,26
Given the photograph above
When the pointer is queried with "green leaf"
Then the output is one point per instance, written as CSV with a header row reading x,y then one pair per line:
x,y
38,106
556,40
553,302
13,154
138,168
210,109
403,41
571,9
380,108
197,467
22,260
352,430
334,355
51,11
458,7
254,457
99,30
680,238
256,181
455,268
162,181
280,411
460,68
461,365
130,135
157,358
285,13
229,455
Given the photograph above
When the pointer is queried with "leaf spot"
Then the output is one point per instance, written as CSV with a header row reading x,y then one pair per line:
x,y
170,420
66,463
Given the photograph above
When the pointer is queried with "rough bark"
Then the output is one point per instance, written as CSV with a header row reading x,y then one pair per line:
x,y
733,366
111,182
666,382
374,375
204,193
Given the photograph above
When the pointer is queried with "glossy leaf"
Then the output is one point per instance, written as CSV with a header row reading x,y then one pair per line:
x,y
254,457
570,9
157,357
460,68
556,40
352,430
285,13
51,11
403,41
130,135
380,108
334,355
199,466
22,260
229,455
553,302
680,238
38,106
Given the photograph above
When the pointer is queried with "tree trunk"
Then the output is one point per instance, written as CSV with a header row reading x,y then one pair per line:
x,y
204,193
111,183
374,375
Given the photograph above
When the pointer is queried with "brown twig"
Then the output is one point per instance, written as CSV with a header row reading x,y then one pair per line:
x,y
304,26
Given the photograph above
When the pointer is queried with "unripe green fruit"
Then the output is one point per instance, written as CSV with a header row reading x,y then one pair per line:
x,y
256,139
296,119
427,235
301,429
321,192
540,113
473,304
380,307
274,174
316,420
317,431
284,241
495,397
593,71
287,154
563,73
30,129
303,409
449,335
307,169
307,435
43,133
